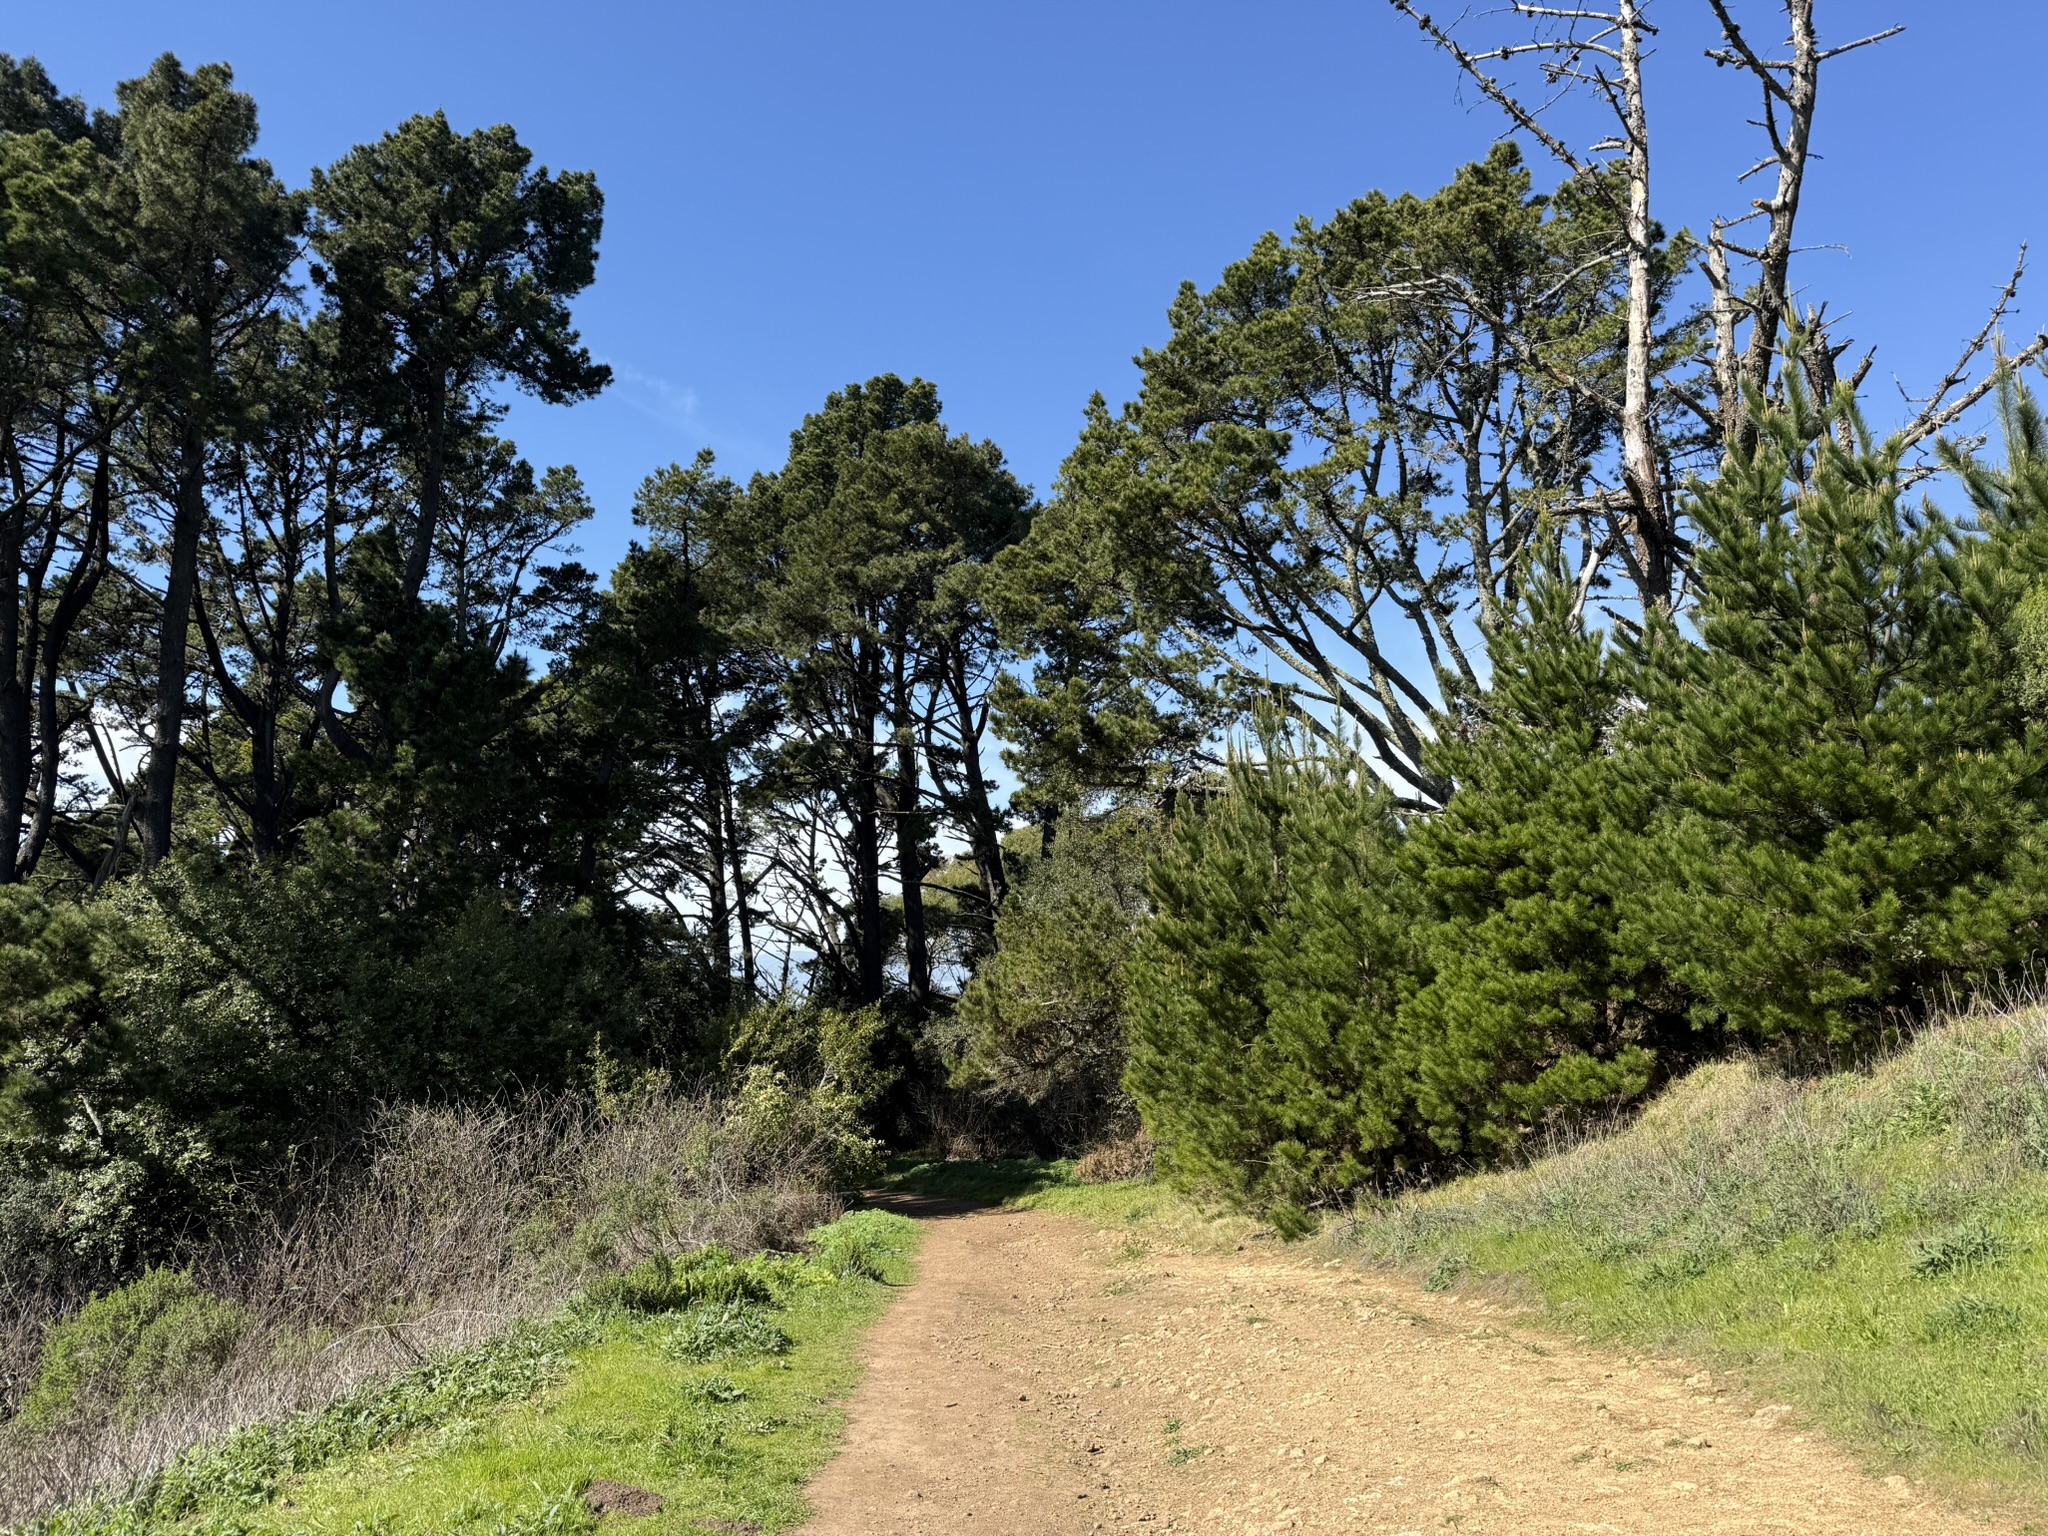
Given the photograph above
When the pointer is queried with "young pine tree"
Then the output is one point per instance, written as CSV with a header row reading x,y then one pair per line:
x,y
1530,1015
1263,994
1849,794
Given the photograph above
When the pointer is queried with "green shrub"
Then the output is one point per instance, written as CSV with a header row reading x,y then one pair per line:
x,y
1974,1245
1264,992
1042,1022
809,1081
1848,796
857,1246
1527,1016
134,1349
732,1331
708,1276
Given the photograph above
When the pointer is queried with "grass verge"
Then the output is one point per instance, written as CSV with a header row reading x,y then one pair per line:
x,y
724,1413
1869,1246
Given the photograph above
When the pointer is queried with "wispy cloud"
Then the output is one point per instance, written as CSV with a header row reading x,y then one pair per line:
x,y
679,409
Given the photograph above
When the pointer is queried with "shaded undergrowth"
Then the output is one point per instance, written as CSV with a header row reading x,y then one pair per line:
x,y
432,1232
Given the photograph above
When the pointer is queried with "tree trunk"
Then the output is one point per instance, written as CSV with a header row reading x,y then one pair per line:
x,y
867,840
910,844
431,474
78,589
714,876
1802,86
984,836
737,853
160,775
1641,466
14,698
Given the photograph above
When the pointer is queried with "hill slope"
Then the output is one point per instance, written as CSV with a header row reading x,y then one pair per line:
x,y
1871,1246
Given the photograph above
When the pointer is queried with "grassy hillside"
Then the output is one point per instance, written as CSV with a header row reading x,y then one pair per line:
x,y
1870,1246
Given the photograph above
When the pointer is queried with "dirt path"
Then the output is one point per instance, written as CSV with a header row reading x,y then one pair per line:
x,y
1043,1377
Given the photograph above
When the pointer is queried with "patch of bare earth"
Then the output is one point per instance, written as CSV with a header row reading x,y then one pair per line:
x,y
1043,1377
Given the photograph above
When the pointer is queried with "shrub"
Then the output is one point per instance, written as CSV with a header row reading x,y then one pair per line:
x,y
1264,993
1116,1162
1848,796
1041,1026
857,1246
1527,1016
708,1276
422,1231
1974,1245
732,1331
134,1348
814,1077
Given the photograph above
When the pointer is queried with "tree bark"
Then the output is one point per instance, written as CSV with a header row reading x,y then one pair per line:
x,y
79,585
867,840
1642,466
14,696
737,853
160,774
910,842
984,835
432,473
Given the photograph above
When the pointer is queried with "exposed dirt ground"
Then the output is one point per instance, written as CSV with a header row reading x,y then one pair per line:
x,y
1043,1377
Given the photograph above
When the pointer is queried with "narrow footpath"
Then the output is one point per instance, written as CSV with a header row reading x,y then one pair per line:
x,y
1042,1377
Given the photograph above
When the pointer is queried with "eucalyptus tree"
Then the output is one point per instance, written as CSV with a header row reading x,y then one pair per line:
x,y
451,262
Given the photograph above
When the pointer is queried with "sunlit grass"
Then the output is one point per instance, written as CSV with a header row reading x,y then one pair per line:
x,y
1872,1248
1150,1207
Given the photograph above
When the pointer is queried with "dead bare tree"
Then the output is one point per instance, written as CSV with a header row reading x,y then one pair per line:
x,y
1601,50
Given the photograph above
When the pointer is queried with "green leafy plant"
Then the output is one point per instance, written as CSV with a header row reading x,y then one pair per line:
x,y
134,1348
734,1331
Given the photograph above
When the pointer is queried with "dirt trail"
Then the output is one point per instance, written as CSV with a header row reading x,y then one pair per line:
x,y
1043,1377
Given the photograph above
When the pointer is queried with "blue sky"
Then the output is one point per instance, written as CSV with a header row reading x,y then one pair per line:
x,y
1004,198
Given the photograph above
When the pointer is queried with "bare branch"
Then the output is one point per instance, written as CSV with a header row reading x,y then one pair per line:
x,y
1927,425
1557,45
1861,42
1494,90
1739,52
1543,10
1933,417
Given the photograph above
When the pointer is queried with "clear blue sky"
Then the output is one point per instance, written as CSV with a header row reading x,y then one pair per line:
x,y
1004,198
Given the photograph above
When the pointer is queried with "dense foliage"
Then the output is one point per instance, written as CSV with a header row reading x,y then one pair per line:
x,y
1794,818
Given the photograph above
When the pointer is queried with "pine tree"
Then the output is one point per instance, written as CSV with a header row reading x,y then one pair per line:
x,y
1264,993
1530,1014
1849,797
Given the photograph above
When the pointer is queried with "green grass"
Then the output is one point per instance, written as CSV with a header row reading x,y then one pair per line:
x,y
1871,1247
1150,1206
726,1432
